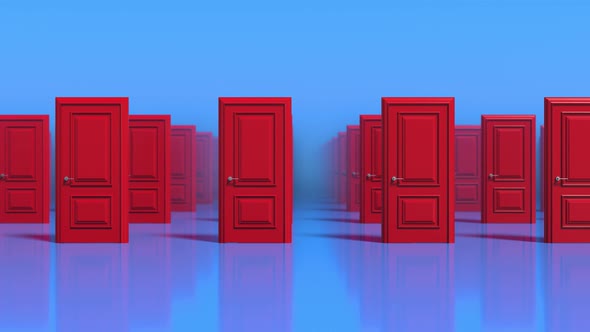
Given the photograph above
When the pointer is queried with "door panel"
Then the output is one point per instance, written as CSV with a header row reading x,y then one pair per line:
x,y
468,168
342,157
24,168
418,169
183,175
256,180
371,174
353,165
92,154
509,170
149,168
567,170
204,168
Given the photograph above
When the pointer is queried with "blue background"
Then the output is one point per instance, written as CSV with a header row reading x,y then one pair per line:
x,y
335,58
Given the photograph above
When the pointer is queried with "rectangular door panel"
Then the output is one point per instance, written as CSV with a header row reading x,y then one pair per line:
x,y
92,155
509,170
418,161
567,170
371,174
353,147
255,170
24,168
149,169
183,177
468,168
204,168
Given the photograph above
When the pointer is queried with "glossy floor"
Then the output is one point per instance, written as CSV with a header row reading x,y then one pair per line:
x,y
336,276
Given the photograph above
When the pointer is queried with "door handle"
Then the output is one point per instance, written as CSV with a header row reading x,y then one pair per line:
x,y
230,179
354,174
370,176
557,179
3,176
67,179
393,179
491,176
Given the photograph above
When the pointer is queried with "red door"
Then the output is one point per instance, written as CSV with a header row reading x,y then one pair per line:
x,y
215,168
418,164
342,157
149,168
24,168
509,169
353,168
371,169
567,170
91,159
255,170
334,168
542,165
204,168
183,179
468,168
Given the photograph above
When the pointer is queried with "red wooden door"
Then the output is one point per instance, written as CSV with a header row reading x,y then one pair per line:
x,y
91,156
371,168
509,169
542,166
24,168
204,168
468,168
353,168
256,170
215,168
149,168
418,164
342,156
567,170
183,179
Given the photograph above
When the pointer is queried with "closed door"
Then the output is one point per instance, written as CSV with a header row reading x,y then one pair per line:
x,y
24,169
92,155
567,170
468,168
149,168
342,179
183,174
256,173
371,168
353,168
418,183
204,168
509,169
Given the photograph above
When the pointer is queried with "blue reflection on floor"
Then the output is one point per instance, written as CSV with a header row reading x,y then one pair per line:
x,y
336,276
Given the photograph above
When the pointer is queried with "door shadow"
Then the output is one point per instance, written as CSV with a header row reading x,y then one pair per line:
x,y
349,237
36,237
194,237
207,219
348,220
509,237
467,220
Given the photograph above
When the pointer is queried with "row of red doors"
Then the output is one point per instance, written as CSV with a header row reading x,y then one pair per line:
x,y
255,169
494,169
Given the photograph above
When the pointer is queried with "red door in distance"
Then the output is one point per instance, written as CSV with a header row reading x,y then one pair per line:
x,y
468,168
542,166
149,168
91,162
509,169
255,170
183,178
342,157
24,168
204,168
418,183
567,170
353,168
371,169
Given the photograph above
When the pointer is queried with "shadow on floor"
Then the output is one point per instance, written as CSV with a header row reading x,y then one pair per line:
x,y
468,220
348,220
193,237
207,219
350,237
36,237
509,237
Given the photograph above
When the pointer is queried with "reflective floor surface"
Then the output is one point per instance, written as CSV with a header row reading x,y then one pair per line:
x,y
336,276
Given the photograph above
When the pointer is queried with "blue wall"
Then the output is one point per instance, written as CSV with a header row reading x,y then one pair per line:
x,y
336,59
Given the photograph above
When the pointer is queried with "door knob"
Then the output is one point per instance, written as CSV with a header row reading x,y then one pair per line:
x,y
355,174
491,176
557,179
66,179
393,179
3,176
370,176
230,179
